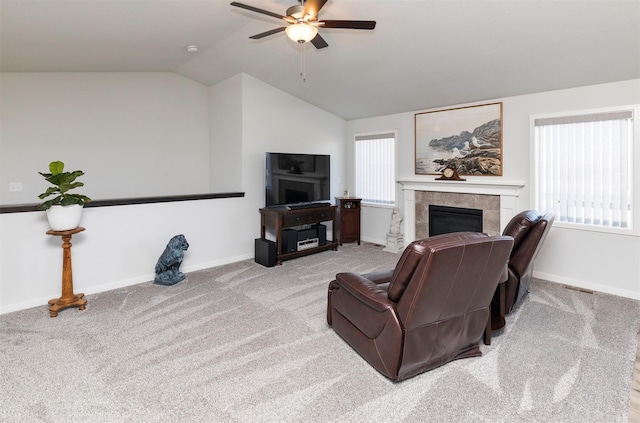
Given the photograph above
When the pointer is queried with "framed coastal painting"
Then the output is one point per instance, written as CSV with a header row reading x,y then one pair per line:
x,y
468,139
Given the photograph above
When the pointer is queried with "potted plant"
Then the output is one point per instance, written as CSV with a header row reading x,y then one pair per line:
x,y
64,210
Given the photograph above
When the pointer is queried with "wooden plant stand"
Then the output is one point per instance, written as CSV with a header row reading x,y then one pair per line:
x,y
68,298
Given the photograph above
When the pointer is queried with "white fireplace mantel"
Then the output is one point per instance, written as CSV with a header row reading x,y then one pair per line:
x,y
509,191
489,187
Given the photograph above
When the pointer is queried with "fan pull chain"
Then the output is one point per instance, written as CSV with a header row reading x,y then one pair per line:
x,y
302,63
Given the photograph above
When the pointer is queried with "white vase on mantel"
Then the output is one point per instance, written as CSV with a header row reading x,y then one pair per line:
x,y
64,218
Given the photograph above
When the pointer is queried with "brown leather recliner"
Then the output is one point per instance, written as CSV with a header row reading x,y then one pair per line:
x,y
431,309
529,230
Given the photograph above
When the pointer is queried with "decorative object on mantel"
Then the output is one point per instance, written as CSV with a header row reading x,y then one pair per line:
x,y
167,267
468,139
450,174
395,239
65,210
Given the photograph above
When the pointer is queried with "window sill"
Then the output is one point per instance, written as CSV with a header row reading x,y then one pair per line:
x,y
590,228
378,206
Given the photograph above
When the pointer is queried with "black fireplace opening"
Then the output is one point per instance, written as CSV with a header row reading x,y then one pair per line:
x,y
444,220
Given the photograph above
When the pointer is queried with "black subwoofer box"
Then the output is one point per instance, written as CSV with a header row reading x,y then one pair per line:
x,y
289,240
265,252
321,233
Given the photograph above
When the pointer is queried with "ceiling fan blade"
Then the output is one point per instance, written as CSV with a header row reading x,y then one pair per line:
x,y
319,42
312,7
267,33
348,24
255,9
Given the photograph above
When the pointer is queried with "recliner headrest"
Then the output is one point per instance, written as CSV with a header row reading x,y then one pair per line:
x,y
520,226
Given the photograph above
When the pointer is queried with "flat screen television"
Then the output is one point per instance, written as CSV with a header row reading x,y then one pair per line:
x,y
297,178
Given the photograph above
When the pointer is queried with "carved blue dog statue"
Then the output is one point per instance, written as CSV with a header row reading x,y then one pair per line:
x,y
167,267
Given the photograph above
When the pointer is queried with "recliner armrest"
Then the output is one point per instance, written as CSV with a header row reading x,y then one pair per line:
x,y
365,290
380,277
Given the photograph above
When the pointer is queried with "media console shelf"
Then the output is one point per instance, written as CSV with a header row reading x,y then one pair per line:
x,y
279,218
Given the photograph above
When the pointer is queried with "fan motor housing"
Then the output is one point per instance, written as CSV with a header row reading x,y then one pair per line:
x,y
295,11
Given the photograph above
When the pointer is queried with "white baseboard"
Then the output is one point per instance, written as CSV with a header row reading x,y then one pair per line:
x,y
374,241
216,263
39,302
635,295
42,301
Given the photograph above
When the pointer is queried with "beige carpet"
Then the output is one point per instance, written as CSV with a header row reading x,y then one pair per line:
x,y
245,343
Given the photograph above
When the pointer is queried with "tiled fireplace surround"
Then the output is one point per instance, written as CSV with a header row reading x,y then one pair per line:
x,y
497,198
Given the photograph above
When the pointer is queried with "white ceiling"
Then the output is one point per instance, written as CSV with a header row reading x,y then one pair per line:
x,y
422,54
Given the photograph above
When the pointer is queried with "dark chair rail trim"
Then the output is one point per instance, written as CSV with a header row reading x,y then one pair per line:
x,y
20,208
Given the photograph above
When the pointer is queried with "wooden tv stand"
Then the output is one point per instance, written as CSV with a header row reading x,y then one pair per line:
x,y
279,218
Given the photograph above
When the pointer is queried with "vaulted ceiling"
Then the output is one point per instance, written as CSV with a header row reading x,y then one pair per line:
x,y
422,54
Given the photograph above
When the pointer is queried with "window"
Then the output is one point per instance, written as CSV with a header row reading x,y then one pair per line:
x,y
583,168
375,170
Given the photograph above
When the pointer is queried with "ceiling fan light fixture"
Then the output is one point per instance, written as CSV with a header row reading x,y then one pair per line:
x,y
301,32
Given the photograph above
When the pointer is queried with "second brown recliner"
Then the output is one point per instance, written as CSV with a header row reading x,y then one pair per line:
x,y
528,230
431,309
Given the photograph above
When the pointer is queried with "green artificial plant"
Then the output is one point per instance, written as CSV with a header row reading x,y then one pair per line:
x,y
63,182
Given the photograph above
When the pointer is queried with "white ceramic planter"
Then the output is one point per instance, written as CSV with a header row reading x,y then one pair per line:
x,y
64,218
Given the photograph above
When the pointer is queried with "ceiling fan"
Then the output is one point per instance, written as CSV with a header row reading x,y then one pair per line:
x,y
303,22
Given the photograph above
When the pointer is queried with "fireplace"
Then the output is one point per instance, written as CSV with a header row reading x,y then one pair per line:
x,y
488,204
497,198
443,220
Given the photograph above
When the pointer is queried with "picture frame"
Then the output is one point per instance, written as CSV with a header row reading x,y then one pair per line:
x,y
468,139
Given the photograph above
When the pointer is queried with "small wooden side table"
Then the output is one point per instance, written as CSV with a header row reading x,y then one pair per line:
x,y
68,299
349,219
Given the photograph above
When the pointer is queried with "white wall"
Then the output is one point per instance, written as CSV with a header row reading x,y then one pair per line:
x,y
374,223
274,121
225,156
375,220
122,244
120,247
592,260
133,134
603,262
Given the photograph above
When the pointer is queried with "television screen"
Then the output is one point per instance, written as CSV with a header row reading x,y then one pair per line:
x,y
297,178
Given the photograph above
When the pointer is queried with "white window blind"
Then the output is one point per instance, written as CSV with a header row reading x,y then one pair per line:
x,y
583,168
375,170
